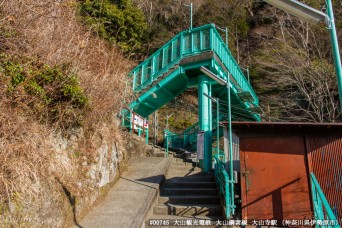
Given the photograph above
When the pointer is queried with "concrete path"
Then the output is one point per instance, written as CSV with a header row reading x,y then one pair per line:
x,y
128,202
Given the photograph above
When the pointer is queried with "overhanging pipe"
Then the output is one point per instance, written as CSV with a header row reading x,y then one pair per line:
x,y
335,48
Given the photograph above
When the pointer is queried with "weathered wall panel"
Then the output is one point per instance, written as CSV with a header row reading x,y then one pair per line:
x,y
325,161
321,150
274,178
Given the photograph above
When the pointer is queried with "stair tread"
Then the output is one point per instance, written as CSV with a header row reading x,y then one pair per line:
x,y
190,196
188,189
194,182
186,205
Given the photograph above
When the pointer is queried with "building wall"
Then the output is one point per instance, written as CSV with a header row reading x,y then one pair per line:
x,y
273,154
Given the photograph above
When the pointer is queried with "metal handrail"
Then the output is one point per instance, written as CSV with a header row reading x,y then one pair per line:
x,y
322,209
189,135
223,182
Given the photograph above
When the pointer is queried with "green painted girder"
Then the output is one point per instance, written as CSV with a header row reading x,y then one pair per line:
x,y
160,94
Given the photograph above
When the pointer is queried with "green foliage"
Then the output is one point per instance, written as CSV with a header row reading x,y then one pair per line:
x,y
118,21
225,13
53,92
13,70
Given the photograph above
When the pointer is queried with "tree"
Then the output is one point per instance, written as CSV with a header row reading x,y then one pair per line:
x,y
118,21
301,83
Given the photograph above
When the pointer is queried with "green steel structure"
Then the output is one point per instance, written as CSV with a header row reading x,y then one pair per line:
x,y
322,209
176,67
223,183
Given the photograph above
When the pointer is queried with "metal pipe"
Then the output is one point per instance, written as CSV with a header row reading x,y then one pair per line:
x,y
217,101
203,106
217,126
226,32
230,148
248,74
167,143
191,10
146,131
335,48
190,15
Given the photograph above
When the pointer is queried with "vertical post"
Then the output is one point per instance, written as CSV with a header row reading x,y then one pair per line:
x,y
335,48
210,130
134,80
155,128
153,67
218,126
132,121
166,135
231,171
248,74
227,37
203,88
226,145
190,15
147,131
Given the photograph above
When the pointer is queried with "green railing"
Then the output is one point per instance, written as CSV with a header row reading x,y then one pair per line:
x,y
224,187
219,153
187,43
189,136
322,209
184,44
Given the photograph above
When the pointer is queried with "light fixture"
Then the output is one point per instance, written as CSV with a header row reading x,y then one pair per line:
x,y
300,10
312,15
213,76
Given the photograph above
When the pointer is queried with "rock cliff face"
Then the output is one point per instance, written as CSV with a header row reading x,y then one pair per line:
x,y
64,199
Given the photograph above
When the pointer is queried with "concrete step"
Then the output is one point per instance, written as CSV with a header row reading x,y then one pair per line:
x,y
189,184
184,172
189,191
178,160
181,164
193,178
170,209
184,168
189,199
159,154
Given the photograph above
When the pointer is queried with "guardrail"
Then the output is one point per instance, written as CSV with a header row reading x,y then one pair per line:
x,y
186,43
224,187
189,136
322,209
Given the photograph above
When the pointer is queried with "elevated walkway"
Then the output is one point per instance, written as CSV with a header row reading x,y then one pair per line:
x,y
175,67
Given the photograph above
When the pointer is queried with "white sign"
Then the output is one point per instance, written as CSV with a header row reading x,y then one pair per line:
x,y
200,145
139,122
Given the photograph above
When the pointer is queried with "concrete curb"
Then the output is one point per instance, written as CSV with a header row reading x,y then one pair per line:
x,y
150,201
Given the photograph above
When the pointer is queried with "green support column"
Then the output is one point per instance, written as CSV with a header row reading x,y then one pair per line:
x,y
335,48
210,132
204,121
